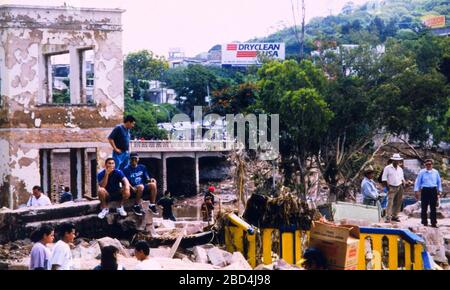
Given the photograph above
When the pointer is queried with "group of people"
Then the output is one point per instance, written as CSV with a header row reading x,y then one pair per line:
x,y
427,188
60,257
123,176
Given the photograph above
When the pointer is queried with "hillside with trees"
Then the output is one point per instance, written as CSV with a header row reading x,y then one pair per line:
x,y
373,22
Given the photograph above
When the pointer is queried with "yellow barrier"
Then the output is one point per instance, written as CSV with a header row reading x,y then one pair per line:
x,y
237,238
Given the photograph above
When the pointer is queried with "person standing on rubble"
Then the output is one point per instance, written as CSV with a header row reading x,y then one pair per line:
x,y
109,181
38,198
167,202
40,255
62,255
210,193
428,182
140,182
368,189
207,209
394,180
120,142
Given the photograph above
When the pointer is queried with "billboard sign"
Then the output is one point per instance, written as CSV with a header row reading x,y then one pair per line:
x,y
242,54
433,21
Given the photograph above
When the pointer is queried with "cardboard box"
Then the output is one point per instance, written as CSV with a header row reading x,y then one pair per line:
x,y
339,244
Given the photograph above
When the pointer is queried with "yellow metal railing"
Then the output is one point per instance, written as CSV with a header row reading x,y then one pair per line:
x,y
239,238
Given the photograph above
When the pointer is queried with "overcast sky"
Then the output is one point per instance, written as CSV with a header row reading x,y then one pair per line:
x,y
197,25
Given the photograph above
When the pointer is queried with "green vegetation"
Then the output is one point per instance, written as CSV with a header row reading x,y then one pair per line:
x,y
373,23
331,106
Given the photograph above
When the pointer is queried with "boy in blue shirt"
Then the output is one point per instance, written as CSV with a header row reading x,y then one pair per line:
x,y
140,182
109,188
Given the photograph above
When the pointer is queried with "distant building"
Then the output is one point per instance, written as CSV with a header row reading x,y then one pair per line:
x,y
177,58
158,94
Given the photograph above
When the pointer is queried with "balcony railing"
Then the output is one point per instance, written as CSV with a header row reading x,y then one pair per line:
x,y
180,145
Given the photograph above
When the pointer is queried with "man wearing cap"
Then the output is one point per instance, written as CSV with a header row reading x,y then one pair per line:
x,y
140,182
368,188
429,183
394,179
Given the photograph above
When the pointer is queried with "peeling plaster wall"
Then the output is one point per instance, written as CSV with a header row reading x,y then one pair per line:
x,y
5,171
48,31
27,123
25,167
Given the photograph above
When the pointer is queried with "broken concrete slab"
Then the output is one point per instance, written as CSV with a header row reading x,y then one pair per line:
x,y
283,265
238,258
167,224
216,257
264,267
107,241
201,255
161,252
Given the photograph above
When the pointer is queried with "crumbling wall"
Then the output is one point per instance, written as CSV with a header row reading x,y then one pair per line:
x,y
5,172
29,122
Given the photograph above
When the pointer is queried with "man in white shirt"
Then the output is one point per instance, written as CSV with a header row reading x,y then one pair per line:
x,y
38,198
142,252
394,179
62,255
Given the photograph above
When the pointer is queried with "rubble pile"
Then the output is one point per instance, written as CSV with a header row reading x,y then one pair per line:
x,y
87,254
414,210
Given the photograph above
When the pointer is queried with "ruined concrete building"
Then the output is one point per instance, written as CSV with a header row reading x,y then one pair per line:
x,y
48,136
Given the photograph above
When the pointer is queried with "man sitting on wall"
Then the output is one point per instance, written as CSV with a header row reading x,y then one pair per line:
x,y
38,198
140,182
109,182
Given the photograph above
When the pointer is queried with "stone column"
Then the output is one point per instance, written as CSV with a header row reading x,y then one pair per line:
x,y
164,172
74,75
197,173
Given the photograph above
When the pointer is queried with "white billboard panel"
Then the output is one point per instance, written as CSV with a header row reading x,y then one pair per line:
x,y
251,53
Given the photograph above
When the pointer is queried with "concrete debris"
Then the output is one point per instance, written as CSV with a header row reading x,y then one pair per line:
x,y
264,267
162,252
216,257
107,241
414,210
238,258
167,224
201,255
283,265
177,264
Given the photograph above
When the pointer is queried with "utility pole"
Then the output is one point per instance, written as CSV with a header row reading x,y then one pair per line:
x,y
302,44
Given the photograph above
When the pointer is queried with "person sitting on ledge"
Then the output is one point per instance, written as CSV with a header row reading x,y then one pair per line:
x,y
38,198
109,181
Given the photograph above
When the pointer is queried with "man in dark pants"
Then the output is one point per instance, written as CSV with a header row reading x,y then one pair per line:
x,y
429,182
120,142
